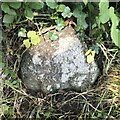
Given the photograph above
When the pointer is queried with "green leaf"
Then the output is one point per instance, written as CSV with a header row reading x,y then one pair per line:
x,y
60,24
52,36
26,43
90,55
31,34
5,7
115,33
113,17
90,7
36,5
35,40
67,12
61,8
8,18
29,13
51,3
81,22
22,32
77,12
104,17
103,6
85,2
12,12
15,5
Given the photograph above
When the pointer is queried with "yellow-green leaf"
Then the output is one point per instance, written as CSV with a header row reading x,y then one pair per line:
x,y
90,59
26,43
35,40
88,52
31,34
90,56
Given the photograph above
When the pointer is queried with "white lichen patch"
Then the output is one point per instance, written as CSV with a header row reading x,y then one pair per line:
x,y
36,59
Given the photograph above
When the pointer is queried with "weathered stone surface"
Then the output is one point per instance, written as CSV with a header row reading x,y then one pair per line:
x,y
60,64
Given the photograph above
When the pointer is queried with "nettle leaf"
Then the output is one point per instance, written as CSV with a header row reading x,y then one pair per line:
x,y
29,13
5,7
67,12
22,32
52,36
60,24
8,18
51,3
35,40
15,5
36,5
31,34
26,43
61,8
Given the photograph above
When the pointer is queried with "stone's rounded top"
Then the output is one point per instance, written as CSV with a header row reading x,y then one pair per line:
x,y
61,64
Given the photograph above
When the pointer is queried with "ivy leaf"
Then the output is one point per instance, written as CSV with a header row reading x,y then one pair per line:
x,y
77,12
81,22
61,8
5,7
26,43
51,3
35,40
60,24
67,12
8,18
36,5
29,13
96,48
52,36
22,32
31,34
15,5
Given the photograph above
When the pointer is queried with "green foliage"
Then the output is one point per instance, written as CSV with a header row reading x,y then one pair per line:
x,y
115,33
36,5
51,3
33,39
16,10
22,32
105,14
52,36
60,24
67,12
28,13
1,61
